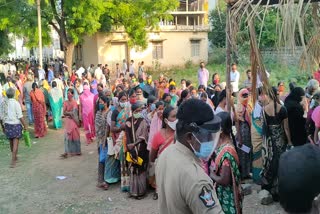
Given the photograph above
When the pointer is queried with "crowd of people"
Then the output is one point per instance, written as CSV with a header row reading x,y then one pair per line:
x,y
135,120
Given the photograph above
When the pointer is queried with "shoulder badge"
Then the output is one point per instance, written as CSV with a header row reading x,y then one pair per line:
x,y
206,197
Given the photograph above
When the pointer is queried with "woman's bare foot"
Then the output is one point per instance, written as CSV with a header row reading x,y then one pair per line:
x,y
13,164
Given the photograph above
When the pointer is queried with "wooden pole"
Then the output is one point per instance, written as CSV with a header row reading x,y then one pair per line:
x,y
228,58
39,32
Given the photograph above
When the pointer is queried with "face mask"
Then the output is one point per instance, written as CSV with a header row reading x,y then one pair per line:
x,y
149,81
101,106
153,107
137,115
183,86
206,149
133,100
112,108
215,82
172,94
123,105
173,124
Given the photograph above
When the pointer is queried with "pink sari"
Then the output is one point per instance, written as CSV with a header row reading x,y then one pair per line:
x,y
155,126
87,107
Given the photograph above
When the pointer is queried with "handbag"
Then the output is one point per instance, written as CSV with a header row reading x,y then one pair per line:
x,y
110,146
102,153
129,156
26,137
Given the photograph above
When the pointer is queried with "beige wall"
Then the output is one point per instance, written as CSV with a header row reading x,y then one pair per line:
x,y
89,51
176,49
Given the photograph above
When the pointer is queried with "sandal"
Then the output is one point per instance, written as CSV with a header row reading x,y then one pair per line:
x,y
64,156
103,186
155,196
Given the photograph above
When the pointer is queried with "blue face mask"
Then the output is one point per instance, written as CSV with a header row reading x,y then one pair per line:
x,y
112,108
153,107
206,149
101,106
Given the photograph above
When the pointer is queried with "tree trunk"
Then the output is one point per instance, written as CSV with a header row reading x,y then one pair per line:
x,y
68,55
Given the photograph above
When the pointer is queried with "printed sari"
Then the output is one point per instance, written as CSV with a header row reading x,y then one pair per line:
x,y
39,112
56,102
229,196
71,132
115,165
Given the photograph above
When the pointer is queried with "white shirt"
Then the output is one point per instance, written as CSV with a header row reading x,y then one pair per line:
x,y
10,112
124,68
98,74
131,69
218,110
42,74
234,79
80,71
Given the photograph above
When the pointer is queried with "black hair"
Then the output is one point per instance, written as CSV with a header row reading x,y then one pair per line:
x,y
71,91
183,80
280,83
137,88
222,95
165,115
183,95
292,85
172,87
201,87
226,125
213,75
106,100
131,92
100,84
34,85
204,95
188,83
151,99
140,80
248,71
164,96
159,103
122,94
54,84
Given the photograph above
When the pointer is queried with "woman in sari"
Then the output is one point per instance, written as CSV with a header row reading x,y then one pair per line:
x,y
102,130
243,115
256,137
227,174
156,122
112,165
161,140
56,101
136,145
39,111
19,84
72,144
87,111
45,88
276,135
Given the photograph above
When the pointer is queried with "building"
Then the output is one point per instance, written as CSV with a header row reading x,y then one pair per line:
x,y
173,43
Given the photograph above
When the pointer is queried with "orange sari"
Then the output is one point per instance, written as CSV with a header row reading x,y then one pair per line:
x,y
39,112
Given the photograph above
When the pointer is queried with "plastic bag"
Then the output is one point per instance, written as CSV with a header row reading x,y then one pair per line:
x,y
26,137
103,153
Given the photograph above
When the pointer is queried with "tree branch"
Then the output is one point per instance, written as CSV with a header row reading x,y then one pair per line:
x,y
55,27
55,13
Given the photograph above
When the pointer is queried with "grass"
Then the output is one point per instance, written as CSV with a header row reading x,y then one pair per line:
x,y
278,72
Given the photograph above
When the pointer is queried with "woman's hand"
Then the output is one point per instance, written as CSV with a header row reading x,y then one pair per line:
x,y
130,146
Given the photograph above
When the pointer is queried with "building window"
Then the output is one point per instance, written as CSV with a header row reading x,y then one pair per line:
x,y
78,53
157,50
195,48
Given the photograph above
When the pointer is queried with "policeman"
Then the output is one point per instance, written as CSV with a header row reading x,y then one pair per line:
x,y
183,186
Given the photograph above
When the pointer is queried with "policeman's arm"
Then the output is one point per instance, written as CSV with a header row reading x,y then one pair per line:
x,y
201,198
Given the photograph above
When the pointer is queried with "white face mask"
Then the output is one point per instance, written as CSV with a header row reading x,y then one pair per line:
x,y
123,105
173,124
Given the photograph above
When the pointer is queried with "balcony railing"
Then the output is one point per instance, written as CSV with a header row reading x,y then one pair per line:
x,y
184,27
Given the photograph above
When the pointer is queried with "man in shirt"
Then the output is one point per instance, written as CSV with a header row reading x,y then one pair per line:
x,y
248,82
234,79
131,67
41,73
182,184
203,75
50,74
98,73
124,66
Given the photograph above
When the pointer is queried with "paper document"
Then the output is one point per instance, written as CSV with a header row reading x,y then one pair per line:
x,y
244,148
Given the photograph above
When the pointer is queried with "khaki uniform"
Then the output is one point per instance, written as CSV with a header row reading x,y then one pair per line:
x,y
182,184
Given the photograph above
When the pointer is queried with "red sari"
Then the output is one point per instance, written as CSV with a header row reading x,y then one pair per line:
x,y
39,112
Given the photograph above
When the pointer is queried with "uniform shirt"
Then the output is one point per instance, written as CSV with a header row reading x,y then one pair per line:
x,y
234,78
182,184
42,74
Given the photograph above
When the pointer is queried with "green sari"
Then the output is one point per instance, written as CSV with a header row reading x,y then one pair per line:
x,y
229,196
56,102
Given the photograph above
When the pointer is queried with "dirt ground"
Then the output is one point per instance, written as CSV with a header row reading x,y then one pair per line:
x,y
32,186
